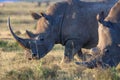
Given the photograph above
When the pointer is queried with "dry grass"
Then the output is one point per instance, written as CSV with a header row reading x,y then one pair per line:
x,y
14,65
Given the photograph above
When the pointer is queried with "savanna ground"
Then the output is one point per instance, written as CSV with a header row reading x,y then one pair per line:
x,y
15,66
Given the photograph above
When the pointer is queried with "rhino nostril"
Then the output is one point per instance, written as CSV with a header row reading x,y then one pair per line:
x,y
29,58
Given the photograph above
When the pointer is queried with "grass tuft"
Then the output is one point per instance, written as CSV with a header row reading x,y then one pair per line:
x,y
9,46
22,74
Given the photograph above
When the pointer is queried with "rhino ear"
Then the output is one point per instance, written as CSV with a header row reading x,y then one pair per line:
x,y
43,14
35,15
100,17
47,17
30,34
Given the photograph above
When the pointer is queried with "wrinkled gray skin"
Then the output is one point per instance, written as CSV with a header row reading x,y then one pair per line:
x,y
71,23
108,48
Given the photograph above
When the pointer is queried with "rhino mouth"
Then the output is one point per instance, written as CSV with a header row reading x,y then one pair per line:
x,y
30,56
36,57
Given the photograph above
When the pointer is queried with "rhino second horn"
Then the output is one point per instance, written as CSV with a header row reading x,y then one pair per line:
x,y
30,34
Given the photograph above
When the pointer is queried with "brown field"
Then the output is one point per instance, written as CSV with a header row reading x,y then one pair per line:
x,y
14,65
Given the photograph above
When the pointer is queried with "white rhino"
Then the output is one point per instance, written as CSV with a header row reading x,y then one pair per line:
x,y
70,23
108,47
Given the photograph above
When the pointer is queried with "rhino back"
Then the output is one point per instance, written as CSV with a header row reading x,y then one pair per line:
x,y
80,22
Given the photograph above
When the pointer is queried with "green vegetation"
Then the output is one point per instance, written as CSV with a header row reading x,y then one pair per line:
x,y
46,72
25,74
9,46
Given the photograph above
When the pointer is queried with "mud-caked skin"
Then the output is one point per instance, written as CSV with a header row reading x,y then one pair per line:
x,y
71,23
109,40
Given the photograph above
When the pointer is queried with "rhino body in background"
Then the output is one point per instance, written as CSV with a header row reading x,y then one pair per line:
x,y
71,23
108,48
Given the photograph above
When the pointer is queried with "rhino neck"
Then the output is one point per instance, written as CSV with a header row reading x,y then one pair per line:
x,y
58,11
104,37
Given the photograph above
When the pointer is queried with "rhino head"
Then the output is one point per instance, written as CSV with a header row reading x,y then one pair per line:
x,y
108,47
109,40
38,44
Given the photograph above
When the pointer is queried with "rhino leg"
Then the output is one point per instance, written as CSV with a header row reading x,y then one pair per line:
x,y
71,48
80,55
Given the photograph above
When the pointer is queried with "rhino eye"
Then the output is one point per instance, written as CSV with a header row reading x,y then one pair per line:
x,y
106,50
42,39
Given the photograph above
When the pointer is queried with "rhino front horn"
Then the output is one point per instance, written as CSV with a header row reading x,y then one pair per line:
x,y
23,42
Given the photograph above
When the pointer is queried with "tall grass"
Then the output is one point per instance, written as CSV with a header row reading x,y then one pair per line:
x,y
9,46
